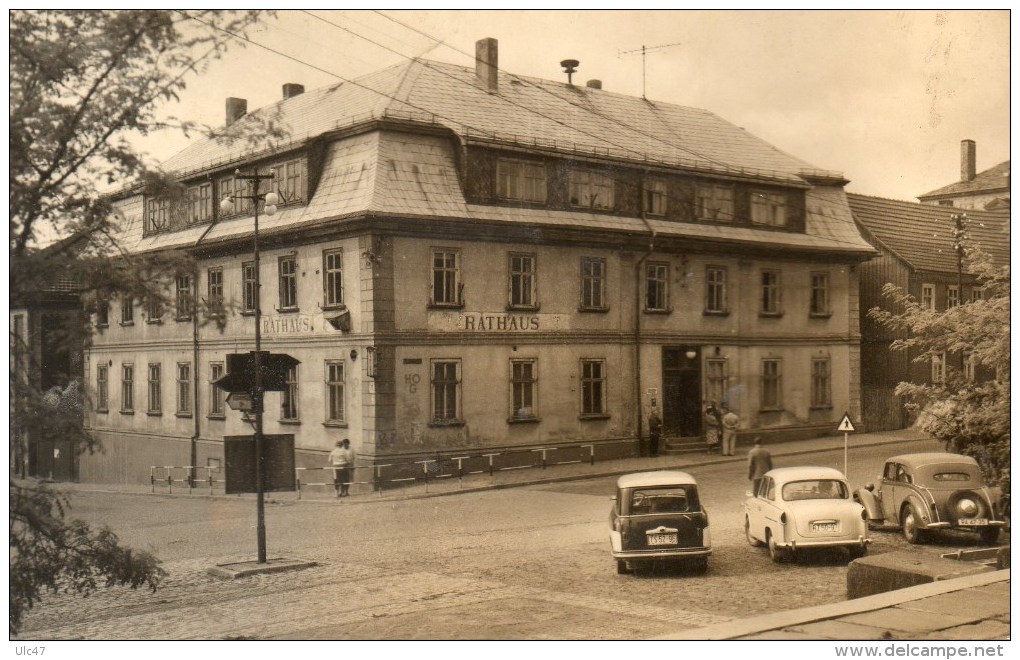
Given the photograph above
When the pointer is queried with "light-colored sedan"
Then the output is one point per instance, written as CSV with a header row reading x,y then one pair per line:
x,y
805,507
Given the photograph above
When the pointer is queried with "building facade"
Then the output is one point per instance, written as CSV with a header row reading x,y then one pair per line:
x,y
916,253
465,260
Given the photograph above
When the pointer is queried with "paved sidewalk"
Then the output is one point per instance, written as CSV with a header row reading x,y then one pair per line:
x,y
974,607
783,453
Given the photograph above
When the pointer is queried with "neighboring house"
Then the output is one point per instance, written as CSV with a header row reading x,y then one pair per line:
x,y
987,190
466,260
915,244
46,358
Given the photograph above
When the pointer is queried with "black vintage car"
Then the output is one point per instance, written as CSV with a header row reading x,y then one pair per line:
x,y
657,516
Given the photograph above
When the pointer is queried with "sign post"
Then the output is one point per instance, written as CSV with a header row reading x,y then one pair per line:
x,y
846,426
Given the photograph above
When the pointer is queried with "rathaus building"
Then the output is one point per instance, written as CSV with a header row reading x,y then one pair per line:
x,y
466,260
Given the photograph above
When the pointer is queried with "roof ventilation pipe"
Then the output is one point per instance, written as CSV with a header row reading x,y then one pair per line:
x,y
595,84
236,108
487,64
569,68
290,90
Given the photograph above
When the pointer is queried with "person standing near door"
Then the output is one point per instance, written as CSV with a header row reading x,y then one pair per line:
x,y
654,431
713,428
730,422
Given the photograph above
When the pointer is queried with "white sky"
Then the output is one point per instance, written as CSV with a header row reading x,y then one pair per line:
x,y
883,96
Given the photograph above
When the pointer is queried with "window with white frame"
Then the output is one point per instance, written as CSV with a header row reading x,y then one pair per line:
x,y
928,296
819,294
771,384
153,310
183,297
977,293
593,283
970,367
446,287
445,385
155,388
335,412
288,282
157,214
715,289
656,287
214,291
653,196
520,181
127,310
593,387
713,202
523,282
332,278
770,292
952,296
716,380
524,389
216,398
768,208
938,368
821,383
127,388
290,181
249,287
183,388
102,388
591,189
200,203
289,408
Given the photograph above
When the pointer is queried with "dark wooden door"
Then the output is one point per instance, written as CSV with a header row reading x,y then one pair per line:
x,y
681,391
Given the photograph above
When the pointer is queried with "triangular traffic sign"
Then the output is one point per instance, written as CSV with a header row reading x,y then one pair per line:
x,y
846,425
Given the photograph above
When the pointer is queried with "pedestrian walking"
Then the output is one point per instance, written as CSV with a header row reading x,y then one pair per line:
x,y
654,431
730,422
713,428
759,461
342,459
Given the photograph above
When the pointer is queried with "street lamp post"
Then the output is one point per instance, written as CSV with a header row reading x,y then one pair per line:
x,y
271,199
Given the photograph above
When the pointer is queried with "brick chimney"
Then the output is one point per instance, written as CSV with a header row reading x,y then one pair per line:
x,y
487,63
595,83
236,108
290,90
968,160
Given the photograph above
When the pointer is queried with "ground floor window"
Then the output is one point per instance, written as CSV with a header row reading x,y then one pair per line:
x,y
821,383
334,391
523,389
446,384
593,387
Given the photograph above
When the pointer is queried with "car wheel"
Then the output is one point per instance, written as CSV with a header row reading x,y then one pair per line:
x,y
989,535
911,522
755,543
857,551
775,552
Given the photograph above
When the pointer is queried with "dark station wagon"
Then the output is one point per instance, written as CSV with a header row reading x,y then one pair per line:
x,y
924,492
657,516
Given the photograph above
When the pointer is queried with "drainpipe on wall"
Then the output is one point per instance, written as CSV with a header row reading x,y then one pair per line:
x,y
194,378
637,328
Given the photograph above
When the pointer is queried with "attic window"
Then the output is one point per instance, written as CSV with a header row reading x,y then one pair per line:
x,y
591,189
521,181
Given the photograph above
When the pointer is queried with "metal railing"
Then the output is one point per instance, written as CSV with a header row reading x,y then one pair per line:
x,y
419,470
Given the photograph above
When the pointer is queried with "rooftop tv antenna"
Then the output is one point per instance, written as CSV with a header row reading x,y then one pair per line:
x,y
643,50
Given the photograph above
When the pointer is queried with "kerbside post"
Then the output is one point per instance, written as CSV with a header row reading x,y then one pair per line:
x,y
846,426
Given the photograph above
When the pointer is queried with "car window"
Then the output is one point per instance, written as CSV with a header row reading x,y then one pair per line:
x,y
815,489
890,471
951,476
770,493
674,499
902,475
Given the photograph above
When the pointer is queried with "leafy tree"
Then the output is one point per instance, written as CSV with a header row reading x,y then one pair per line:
x,y
969,415
83,84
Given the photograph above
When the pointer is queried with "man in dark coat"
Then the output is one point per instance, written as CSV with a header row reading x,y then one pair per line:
x,y
759,461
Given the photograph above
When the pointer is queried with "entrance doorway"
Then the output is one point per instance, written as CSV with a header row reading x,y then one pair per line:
x,y
681,391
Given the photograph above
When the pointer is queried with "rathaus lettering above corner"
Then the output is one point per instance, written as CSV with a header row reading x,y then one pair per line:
x,y
288,325
495,322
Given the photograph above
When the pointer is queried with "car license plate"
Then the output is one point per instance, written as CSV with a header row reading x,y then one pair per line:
x,y
825,527
662,539
972,521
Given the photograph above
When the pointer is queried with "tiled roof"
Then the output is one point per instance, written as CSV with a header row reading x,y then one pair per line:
x,y
991,180
921,234
528,111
